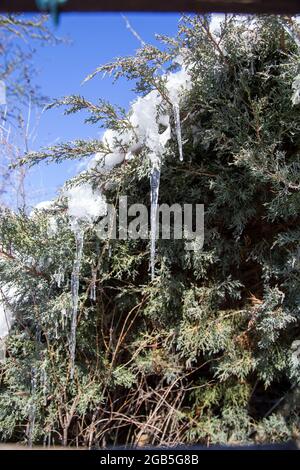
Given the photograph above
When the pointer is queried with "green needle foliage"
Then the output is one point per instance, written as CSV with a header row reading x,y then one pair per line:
x,y
208,352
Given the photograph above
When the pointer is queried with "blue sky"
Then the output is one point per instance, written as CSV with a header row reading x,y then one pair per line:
x,y
96,39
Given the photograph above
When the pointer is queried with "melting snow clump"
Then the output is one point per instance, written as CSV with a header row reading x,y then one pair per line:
x,y
84,204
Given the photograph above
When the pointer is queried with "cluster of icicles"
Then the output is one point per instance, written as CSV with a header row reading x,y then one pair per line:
x,y
77,228
85,204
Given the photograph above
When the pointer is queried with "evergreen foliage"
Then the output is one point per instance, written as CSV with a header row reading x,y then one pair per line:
x,y
207,352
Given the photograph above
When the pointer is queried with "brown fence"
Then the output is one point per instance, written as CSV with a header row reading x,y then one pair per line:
x,y
230,6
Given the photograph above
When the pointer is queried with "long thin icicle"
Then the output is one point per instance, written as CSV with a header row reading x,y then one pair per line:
x,y
176,112
59,277
32,409
79,238
93,288
154,189
64,317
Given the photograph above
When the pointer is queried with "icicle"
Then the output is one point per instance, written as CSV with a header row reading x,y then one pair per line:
x,y
176,112
79,236
63,318
59,277
62,277
93,285
56,329
154,188
32,409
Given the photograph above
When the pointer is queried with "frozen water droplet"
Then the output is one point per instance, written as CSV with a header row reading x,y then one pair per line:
x,y
93,285
79,239
59,277
63,318
154,189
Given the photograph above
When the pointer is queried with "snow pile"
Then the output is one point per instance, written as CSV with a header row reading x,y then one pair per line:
x,y
147,115
44,205
41,206
84,204
105,162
